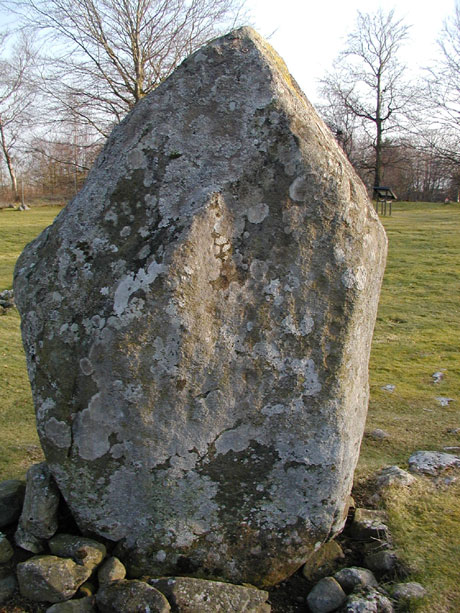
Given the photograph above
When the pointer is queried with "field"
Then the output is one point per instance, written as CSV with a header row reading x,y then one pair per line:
x,y
417,334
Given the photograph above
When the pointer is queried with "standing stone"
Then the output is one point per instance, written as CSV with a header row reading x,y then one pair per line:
x,y
198,322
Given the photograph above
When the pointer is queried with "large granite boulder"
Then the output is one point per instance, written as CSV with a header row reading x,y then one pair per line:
x,y
198,321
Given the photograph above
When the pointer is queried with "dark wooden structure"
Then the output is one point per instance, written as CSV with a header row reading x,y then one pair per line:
x,y
383,196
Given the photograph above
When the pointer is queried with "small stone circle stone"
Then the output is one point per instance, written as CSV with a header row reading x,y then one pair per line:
x,y
84,551
111,570
202,596
38,521
49,578
11,499
326,596
355,577
134,596
202,314
432,462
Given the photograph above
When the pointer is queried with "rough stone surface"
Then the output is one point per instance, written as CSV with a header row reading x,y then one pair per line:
x,y
198,321
133,596
38,519
49,578
408,591
326,596
82,605
111,570
8,585
355,577
432,462
201,596
84,551
367,600
368,524
323,561
11,500
6,551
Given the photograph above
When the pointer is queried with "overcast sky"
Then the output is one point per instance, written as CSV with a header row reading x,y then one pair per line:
x,y
308,34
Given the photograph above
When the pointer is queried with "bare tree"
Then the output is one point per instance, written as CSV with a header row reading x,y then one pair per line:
x,y
441,103
16,98
368,79
108,54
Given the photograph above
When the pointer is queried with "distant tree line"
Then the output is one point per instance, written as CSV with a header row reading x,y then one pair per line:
x,y
73,68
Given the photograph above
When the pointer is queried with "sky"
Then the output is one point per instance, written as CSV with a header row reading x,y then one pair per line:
x,y
308,34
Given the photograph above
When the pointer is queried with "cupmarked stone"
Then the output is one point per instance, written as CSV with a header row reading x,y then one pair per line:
x,y
198,321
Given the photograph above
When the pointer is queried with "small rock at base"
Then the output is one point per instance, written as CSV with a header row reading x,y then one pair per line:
x,y
203,596
82,605
8,585
11,500
326,596
368,524
134,596
84,551
39,514
381,561
367,600
111,570
353,577
6,551
50,579
408,591
323,561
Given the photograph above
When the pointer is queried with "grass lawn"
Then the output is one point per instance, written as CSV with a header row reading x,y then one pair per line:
x,y
417,334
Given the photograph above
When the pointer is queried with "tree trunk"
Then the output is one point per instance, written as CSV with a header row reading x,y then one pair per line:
x,y
9,163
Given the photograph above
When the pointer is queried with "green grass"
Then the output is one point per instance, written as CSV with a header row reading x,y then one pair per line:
x,y
19,445
417,333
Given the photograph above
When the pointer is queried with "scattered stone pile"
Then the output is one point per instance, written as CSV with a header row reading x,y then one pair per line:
x,y
6,300
68,573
